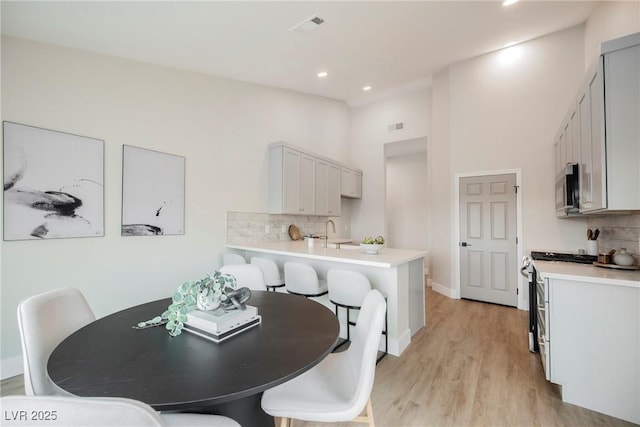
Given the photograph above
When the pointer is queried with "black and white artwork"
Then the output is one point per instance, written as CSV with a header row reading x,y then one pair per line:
x,y
152,192
53,184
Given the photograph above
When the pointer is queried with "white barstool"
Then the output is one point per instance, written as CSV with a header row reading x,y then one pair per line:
x,y
272,276
230,258
348,289
302,279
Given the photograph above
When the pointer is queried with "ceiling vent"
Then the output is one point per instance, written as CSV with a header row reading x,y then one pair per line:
x,y
310,24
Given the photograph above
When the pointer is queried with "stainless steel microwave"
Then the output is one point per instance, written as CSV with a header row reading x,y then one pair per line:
x,y
568,191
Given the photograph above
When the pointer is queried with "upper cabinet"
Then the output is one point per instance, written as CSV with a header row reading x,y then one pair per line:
x,y
327,188
351,183
601,132
303,183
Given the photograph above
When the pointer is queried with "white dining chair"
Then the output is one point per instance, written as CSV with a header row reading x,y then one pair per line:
x,y
230,258
272,275
338,388
302,279
246,275
44,321
69,411
347,290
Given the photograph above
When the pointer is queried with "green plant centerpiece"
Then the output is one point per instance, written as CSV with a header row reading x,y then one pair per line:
x,y
379,240
204,294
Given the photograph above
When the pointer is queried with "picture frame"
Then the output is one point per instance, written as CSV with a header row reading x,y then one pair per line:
x,y
153,192
53,184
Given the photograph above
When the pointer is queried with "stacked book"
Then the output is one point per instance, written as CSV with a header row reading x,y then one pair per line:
x,y
218,325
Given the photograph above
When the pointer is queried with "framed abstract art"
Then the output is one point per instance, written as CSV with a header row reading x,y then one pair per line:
x,y
53,184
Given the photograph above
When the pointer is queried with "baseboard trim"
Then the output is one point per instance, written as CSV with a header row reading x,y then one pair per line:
x,y
11,367
444,290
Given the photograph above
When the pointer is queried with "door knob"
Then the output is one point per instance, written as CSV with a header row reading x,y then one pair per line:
x,y
464,244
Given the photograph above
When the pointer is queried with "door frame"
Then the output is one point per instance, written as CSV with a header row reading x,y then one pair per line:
x,y
523,299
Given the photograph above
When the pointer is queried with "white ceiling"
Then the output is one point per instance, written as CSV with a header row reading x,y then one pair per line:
x,y
393,46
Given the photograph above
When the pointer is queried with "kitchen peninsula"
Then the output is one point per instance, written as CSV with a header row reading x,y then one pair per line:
x,y
397,273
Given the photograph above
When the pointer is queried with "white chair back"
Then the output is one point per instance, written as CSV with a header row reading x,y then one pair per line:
x,y
270,270
44,321
99,412
347,287
230,258
247,275
302,279
364,346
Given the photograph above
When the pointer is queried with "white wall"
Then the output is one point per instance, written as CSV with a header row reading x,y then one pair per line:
x,y
221,126
494,113
369,133
610,20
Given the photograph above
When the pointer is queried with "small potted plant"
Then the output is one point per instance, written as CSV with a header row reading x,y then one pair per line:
x,y
204,294
372,245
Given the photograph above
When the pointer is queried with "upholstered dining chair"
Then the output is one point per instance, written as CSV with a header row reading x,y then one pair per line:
x,y
338,388
272,275
44,321
247,275
302,279
71,411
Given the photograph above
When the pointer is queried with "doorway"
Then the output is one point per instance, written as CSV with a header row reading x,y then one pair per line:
x,y
488,238
406,204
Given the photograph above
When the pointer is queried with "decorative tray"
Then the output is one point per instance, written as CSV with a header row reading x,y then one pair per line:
x,y
619,267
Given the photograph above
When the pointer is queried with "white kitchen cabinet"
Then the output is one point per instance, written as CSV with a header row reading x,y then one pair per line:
x,y
351,183
594,345
610,134
601,131
292,181
327,188
591,135
303,183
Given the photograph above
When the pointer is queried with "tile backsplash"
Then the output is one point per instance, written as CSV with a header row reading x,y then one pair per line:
x,y
618,231
247,227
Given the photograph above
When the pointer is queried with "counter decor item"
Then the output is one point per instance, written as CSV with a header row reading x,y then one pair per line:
x,y
622,258
592,241
205,294
294,233
372,246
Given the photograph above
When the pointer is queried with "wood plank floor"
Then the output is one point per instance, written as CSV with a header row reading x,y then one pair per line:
x,y
470,366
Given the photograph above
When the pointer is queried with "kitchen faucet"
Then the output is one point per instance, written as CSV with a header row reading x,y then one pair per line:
x,y
326,231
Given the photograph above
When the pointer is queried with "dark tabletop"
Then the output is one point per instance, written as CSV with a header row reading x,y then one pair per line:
x,y
108,358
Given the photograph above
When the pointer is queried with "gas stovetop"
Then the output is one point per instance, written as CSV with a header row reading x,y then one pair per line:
x,y
565,257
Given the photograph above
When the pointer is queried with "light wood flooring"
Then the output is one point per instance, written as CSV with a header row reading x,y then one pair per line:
x,y
470,366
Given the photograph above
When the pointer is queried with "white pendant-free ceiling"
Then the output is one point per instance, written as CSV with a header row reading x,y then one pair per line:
x,y
389,45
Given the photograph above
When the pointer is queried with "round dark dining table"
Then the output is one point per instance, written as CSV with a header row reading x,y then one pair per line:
x,y
187,373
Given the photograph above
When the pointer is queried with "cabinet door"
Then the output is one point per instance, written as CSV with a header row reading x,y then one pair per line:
x,y
327,188
573,136
351,183
592,168
333,190
291,171
307,185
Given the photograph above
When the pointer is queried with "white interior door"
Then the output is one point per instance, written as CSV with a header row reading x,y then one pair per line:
x,y
488,245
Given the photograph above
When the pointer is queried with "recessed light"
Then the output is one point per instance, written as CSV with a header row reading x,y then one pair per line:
x,y
366,88
508,2
323,74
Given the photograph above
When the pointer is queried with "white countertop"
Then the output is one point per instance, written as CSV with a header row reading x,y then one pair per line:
x,y
587,273
386,258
